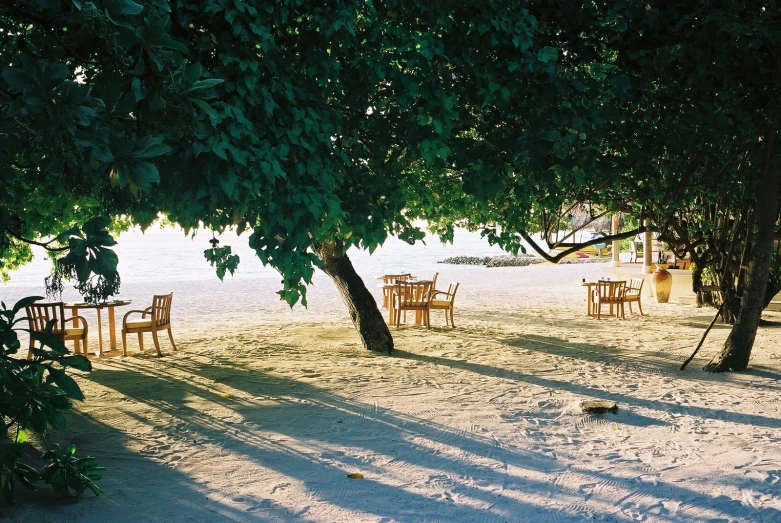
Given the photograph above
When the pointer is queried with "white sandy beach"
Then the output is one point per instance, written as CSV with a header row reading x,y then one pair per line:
x,y
264,411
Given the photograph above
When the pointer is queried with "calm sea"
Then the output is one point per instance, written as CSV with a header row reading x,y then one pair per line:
x,y
165,260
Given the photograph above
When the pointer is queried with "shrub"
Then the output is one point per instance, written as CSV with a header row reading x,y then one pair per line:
x,y
34,394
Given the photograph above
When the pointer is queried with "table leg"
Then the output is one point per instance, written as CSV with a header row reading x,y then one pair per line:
x,y
100,333
112,330
76,343
589,302
391,312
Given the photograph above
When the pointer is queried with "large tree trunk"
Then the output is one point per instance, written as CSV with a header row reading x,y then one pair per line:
x,y
363,309
737,349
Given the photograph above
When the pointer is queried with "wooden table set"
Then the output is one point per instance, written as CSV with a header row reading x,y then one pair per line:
x,y
606,291
109,306
418,288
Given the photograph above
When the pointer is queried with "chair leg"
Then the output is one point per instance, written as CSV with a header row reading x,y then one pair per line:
x,y
427,318
157,343
170,337
640,308
85,348
452,323
447,320
141,341
124,342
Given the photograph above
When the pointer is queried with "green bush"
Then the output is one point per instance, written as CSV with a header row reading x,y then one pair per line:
x,y
34,394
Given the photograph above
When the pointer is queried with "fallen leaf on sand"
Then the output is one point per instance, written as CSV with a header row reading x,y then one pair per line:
x,y
355,475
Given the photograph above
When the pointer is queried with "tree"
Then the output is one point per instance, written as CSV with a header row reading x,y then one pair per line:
x,y
336,125
656,117
332,126
714,113
92,95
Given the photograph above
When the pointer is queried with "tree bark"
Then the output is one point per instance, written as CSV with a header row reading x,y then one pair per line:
x,y
367,318
737,349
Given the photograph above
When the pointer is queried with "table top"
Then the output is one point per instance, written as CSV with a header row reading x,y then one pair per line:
x,y
591,283
101,305
408,282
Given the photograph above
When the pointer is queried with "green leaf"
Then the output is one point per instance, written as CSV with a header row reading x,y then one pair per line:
x,y
49,341
18,79
206,108
109,260
547,54
152,149
77,362
128,7
145,174
24,302
66,383
205,84
56,419
228,185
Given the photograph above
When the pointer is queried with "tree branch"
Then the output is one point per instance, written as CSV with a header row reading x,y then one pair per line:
x,y
45,245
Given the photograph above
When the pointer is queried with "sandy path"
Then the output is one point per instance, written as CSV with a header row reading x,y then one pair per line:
x,y
262,420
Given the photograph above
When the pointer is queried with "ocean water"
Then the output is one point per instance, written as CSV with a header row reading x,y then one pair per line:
x,y
165,260
167,255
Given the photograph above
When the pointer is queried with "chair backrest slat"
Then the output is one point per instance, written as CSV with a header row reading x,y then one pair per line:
x,y
161,309
395,278
611,290
40,314
451,291
635,286
413,294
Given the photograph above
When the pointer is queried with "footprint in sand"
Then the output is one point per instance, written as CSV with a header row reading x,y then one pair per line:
x,y
279,486
173,461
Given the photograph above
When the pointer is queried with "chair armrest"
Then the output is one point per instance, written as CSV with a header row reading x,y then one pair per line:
x,y
143,314
83,322
439,292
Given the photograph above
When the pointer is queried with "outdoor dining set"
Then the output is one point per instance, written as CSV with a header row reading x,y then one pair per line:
x,y
154,319
614,294
404,292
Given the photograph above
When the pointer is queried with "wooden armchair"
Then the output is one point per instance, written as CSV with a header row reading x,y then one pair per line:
x,y
412,296
610,293
441,300
632,294
160,319
389,279
40,314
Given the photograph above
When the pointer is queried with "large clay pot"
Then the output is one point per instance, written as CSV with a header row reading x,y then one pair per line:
x,y
661,284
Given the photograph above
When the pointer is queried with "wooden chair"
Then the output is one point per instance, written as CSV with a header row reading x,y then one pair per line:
x,y
389,279
632,294
633,252
611,293
412,296
40,314
445,302
160,319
